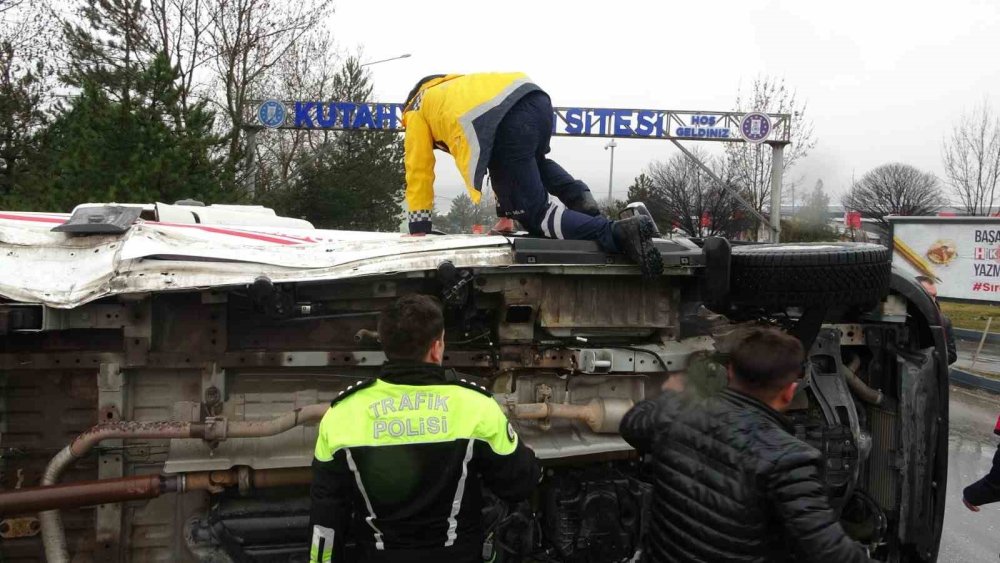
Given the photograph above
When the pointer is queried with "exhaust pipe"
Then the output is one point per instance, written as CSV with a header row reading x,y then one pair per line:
x,y
142,487
215,430
601,415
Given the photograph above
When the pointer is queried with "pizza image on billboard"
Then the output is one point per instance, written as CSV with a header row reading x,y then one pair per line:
x,y
943,251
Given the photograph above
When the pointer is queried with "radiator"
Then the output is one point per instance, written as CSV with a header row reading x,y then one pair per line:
x,y
882,474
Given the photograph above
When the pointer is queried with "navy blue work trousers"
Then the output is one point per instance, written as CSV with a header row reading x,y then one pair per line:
x,y
523,177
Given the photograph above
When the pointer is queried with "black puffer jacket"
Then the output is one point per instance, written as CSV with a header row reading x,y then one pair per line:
x,y
733,484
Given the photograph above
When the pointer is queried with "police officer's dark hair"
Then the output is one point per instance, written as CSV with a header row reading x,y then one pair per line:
x,y
409,326
767,360
416,88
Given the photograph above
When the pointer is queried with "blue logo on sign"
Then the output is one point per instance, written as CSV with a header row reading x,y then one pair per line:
x,y
755,127
271,114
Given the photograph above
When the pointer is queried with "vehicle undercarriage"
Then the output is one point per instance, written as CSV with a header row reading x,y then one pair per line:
x,y
178,425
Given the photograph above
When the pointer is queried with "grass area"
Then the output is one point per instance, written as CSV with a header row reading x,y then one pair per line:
x,y
972,315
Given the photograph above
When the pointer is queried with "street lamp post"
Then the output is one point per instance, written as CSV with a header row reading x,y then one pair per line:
x,y
403,56
611,175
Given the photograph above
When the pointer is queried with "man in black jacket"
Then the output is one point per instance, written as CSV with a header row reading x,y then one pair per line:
x,y
731,482
406,453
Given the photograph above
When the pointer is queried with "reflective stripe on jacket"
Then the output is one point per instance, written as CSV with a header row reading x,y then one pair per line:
x,y
458,114
406,453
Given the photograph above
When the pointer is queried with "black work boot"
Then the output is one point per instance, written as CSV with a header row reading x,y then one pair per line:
x,y
634,237
584,203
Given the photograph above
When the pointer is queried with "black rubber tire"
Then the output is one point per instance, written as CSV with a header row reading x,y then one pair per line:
x,y
803,274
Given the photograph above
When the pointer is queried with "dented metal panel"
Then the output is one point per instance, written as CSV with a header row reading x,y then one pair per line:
x,y
576,303
60,270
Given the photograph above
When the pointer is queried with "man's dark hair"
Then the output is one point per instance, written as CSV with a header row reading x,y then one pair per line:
x,y
925,279
416,88
767,360
409,326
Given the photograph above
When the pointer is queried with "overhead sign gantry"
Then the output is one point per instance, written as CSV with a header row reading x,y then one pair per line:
x,y
773,129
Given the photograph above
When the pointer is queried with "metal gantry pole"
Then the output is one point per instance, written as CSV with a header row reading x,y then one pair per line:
x,y
611,174
777,169
251,161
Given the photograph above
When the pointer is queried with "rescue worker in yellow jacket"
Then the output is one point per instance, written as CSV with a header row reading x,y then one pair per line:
x,y
502,123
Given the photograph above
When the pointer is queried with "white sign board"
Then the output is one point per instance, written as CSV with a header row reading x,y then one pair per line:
x,y
961,253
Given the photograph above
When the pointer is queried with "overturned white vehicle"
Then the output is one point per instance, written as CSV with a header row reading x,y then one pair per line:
x,y
164,368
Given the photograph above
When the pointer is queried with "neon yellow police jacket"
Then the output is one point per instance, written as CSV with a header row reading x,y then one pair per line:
x,y
458,114
401,460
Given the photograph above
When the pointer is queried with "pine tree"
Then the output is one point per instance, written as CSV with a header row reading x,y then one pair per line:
x,y
127,136
815,209
356,179
811,223
22,117
26,85
112,49
145,150
464,215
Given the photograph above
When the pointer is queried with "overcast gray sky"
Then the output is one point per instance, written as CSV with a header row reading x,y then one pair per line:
x,y
884,80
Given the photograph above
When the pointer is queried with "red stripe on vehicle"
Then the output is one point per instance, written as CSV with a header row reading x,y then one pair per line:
x,y
232,232
32,218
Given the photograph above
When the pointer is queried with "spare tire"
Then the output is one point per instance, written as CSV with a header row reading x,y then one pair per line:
x,y
795,275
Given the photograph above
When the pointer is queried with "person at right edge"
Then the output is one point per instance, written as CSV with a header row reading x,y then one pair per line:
x,y
731,482
987,489
502,122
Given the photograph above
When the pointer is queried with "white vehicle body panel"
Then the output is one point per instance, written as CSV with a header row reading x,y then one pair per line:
x,y
66,271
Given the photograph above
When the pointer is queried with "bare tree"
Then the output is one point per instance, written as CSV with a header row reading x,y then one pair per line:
x,y
750,164
972,159
227,52
894,189
464,215
27,83
8,5
29,29
814,208
682,194
179,29
247,39
307,72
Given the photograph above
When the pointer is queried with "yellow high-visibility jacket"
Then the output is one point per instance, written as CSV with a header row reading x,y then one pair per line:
x,y
458,114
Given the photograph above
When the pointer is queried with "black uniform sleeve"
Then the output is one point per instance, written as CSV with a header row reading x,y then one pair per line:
x,y
507,466
640,424
799,500
949,338
330,512
512,477
987,489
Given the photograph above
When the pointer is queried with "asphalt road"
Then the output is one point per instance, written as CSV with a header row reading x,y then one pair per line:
x,y
970,536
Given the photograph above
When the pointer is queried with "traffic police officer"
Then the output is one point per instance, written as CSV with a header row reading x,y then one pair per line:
x,y
407,453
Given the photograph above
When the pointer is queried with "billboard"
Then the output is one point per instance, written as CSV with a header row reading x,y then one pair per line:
x,y
961,253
